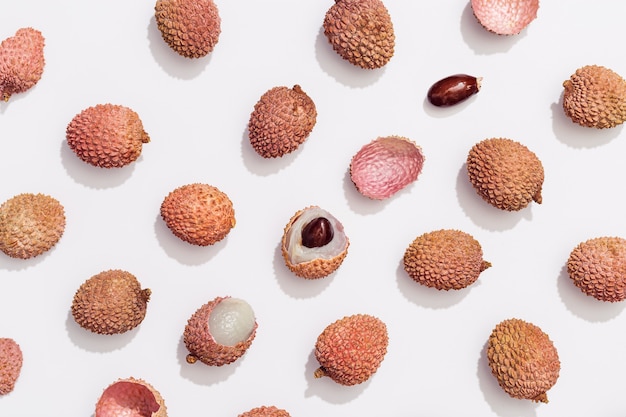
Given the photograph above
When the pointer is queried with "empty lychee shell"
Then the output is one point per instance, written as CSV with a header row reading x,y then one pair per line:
x,y
505,17
385,166
130,397
10,364
314,243
220,331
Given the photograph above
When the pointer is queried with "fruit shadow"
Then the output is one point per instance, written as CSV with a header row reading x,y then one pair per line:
x,y
184,252
261,166
169,60
341,70
202,374
482,41
576,136
500,402
97,343
16,264
585,306
482,213
327,389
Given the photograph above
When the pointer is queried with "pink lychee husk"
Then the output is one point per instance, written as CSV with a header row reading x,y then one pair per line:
x,y
505,17
130,397
10,364
385,166
21,62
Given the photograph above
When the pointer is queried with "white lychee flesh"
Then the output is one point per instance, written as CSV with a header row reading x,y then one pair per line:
x,y
231,321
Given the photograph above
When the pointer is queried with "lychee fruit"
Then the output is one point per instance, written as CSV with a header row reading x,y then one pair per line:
x,y
505,17
21,62
11,359
265,411
130,397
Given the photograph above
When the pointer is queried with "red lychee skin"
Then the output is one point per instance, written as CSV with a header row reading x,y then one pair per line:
x,y
21,62
130,397
265,411
10,364
505,17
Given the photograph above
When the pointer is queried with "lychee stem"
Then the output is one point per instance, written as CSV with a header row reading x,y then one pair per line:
x,y
320,372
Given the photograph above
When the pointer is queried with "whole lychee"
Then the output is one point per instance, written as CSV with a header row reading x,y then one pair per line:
x,y
110,302
10,364
361,32
199,214
21,62
505,17
107,135
595,96
505,173
281,121
190,27
132,397
351,349
30,224
265,411
598,268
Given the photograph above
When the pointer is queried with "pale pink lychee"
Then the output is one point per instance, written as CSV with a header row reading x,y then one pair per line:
x,y
21,62
505,17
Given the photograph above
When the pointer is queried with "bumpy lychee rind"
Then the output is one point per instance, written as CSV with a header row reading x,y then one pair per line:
x,y
322,265
505,17
107,135
505,173
201,344
281,121
445,259
595,96
265,411
11,360
361,32
385,166
351,349
110,302
130,397
598,268
30,224
21,62
523,359
190,27
199,214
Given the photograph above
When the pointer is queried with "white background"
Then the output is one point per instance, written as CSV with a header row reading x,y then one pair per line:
x,y
196,113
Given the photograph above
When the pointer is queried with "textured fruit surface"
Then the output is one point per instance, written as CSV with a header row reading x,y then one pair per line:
x,y
110,302
523,359
10,364
361,32
130,397
505,173
265,411
199,214
281,121
505,17
190,27
21,62
598,268
107,135
453,90
351,349
386,165
445,259
30,224
313,261
202,345
595,96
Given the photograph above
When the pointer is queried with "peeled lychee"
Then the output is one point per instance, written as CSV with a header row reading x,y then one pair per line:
x,y
220,331
10,364
21,62
107,135
199,214
130,397
386,165
505,17
265,411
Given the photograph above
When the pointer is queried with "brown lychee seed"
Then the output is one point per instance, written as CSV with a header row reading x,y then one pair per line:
x,y
11,360
445,259
21,62
110,302
132,397
314,243
220,331
598,268
199,214
505,173
30,224
523,359
453,89
351,349
385,166
505,17
281,121
107,135
189,27
361,32
595,96
265,411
